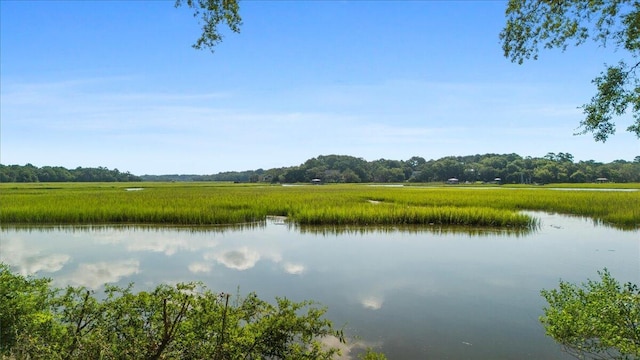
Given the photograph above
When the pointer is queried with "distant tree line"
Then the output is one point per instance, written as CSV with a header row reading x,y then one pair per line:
x,y
509,168
30,173
230,176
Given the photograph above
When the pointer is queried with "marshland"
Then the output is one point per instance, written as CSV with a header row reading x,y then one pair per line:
x,y
207,203
420,271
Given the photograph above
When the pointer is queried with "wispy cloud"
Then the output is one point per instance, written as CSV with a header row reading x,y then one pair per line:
x,y
30,260
239,259
293,269
94,275
163,132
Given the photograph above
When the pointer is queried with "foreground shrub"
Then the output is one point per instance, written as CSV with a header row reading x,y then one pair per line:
x,y
599,319
186,321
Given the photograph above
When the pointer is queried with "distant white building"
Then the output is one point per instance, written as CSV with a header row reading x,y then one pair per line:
x,y
452,181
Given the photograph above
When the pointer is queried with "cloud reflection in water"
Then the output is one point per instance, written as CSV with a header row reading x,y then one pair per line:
x,y
372,302
94,275
29,260
293,269
242,259
143,241
200,267
238,259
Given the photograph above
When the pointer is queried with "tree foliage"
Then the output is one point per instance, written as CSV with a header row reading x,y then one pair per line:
x,y
212,14
510,168
30,173
599,319
23,307
185,321
532,24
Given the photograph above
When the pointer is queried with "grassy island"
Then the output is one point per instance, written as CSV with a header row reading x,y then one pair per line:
x,y
210,203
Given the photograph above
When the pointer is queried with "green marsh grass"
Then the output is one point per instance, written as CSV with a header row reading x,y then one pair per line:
x,y
356,205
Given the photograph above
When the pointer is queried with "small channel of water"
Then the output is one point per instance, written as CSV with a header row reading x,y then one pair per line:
x,y
412,293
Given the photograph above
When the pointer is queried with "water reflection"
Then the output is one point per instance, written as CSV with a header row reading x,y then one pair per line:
x,y
239,259
418,293
293,269
412,229
30,260
94,275
372,302
153,240
138,227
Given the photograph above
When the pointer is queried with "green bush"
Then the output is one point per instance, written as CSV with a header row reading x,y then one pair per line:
x,y
599,319
185,321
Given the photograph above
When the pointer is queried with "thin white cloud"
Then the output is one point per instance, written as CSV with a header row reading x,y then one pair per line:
x,y
152,132
372,302
239,259
200,267
30,260
94,275
293,269
143,241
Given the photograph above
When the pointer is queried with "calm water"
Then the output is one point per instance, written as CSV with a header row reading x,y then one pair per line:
x,y
411,293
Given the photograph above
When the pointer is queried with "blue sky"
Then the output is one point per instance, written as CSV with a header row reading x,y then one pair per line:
x,y
117,84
